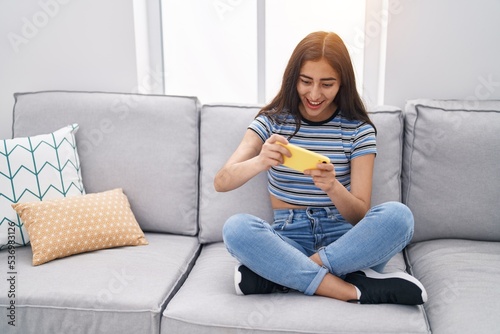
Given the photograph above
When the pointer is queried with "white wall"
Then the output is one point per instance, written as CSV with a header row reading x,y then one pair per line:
x,y
435,48
443,49
63,44
374,44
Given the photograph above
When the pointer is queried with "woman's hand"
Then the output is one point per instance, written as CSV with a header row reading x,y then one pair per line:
x,y
323,176
250,158
271,153
352,204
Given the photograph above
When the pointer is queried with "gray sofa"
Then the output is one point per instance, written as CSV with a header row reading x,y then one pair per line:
x,y
439,157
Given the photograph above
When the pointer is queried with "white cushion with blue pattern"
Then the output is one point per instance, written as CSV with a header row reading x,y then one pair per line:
x,y
33,169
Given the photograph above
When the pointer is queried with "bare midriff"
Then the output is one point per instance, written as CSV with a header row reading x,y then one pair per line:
x,y
279,204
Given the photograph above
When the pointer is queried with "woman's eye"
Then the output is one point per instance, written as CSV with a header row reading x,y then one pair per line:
x,y
327,85
305,82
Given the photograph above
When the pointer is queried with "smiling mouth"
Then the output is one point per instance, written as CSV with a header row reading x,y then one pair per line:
x,y
313,104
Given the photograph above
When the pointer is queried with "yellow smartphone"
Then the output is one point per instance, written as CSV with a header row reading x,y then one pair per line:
x,y
302,158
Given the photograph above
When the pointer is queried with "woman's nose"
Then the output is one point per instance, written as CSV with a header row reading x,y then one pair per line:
x,y
315,93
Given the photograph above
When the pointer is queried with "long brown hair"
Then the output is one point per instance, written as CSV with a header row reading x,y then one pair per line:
x,y
314,47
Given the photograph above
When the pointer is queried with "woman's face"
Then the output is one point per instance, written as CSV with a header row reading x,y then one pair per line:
x,y
317,87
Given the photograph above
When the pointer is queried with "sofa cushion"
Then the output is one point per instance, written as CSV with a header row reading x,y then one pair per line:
x,y
119,290
451,177
78,224
145,144
461,279
221,131
207,303
40,167
388,163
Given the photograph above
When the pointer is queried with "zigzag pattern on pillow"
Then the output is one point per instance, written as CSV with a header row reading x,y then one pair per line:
x,y
33,169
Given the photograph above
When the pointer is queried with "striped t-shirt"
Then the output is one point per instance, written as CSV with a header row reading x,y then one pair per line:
x,y
338,138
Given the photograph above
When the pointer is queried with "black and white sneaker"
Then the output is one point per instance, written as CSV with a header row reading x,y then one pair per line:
x,y
246,282
392,288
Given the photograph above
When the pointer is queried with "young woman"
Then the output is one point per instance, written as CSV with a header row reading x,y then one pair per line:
x,y
325,238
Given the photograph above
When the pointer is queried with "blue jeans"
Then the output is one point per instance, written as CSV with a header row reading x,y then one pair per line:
x,y
280,252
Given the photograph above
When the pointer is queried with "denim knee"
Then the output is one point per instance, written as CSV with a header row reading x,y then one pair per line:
x,y
401,215
231,228
236,226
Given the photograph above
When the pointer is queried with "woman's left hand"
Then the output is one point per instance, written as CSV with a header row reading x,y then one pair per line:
x,y
323,176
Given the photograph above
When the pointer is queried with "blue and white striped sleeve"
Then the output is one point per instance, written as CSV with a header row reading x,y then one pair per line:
x,y
364,141
261,125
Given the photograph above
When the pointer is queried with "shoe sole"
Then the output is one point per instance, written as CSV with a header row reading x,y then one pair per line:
x,y
373,274
237,280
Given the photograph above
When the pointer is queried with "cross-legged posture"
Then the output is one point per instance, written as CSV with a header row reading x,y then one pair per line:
x,y
325,239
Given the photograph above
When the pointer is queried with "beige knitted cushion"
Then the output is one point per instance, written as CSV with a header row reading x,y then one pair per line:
x,y
77,224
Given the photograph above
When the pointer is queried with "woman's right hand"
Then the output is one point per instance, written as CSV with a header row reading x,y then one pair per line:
x,y
271,153
250,158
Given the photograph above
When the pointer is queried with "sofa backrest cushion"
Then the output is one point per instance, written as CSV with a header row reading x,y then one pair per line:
x,y
145,144
388,162
451,176
222,128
